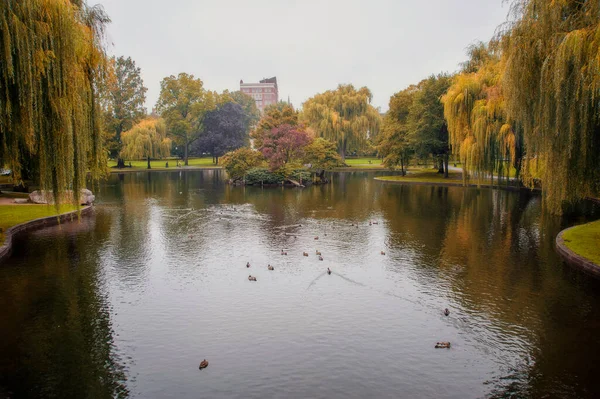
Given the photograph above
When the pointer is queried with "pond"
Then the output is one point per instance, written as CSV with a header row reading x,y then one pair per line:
x,y
129,301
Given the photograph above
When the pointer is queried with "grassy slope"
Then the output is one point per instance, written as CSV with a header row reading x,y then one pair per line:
x,y
584,240
11,215
358,163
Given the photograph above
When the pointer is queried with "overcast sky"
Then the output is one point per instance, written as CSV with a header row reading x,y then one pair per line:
x,y
310,45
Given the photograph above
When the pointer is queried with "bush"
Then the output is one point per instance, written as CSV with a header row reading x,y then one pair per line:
x,y
263,176
299,174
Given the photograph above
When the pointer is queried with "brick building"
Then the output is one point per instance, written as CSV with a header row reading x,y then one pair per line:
x,y
264,92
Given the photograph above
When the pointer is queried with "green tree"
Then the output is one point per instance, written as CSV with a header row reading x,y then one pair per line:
x,y
237,163
183,102
322,154
249,106
427,127
51,61
394,143
125,103
148,139
344,116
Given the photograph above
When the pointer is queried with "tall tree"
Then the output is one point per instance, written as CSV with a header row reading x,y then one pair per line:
x,y
148,139
427,128
52,58
225,129
477,123
394,142
183,102
125,105
551,83
273,116
344,116
249,107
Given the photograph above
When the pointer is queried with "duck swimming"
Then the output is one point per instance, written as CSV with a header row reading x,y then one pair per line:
x,y
270,267
247,264
320,257
328,271
304,253
442,345
382,252
318,252
203,364
250,278
317,237
446,312
283,252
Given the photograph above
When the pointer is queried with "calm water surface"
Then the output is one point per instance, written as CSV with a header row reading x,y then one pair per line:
x,y
128,302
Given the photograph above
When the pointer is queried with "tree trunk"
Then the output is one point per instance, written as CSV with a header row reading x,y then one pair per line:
x,y
185,152
446,160
120,163
216,159
440,163
402,166
343,150
149,167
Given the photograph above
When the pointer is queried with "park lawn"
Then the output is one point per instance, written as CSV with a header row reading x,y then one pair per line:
x,y
429,175
160,163
12,215
364,162
584,240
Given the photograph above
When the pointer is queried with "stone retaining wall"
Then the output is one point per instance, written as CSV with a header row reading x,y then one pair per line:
x,y
36,224
574,260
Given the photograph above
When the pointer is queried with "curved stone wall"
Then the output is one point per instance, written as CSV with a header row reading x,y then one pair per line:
x,y
575,260
35,224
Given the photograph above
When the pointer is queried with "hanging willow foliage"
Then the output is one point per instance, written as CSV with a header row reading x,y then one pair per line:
x,y
552,90
148,139
475,112
344,116
51,59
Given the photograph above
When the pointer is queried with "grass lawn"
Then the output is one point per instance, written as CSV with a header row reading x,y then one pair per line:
x,y
364,162
11,215
428,175
584,240
160,163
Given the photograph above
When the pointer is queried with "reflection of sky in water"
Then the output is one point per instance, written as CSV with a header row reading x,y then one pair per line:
x,y
172,256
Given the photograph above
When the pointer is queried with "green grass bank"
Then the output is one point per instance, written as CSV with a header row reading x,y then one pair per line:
x,y
584,240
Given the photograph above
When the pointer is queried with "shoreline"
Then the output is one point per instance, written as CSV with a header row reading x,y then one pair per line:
x,y
455,184
35,224
573,259
174,169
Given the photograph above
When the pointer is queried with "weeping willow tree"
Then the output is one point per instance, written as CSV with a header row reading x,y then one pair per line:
x,y
344,116
148,139
52,57
552,92
474,108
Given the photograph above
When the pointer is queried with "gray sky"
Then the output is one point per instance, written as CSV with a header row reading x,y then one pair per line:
x,y
310,45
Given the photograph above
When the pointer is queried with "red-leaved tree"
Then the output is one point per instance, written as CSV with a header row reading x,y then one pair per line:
x,y
284,144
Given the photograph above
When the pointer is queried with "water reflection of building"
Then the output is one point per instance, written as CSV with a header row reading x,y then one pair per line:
x,y
264,93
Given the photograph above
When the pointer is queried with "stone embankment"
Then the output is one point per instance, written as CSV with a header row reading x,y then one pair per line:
x,y
36,224
575,260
